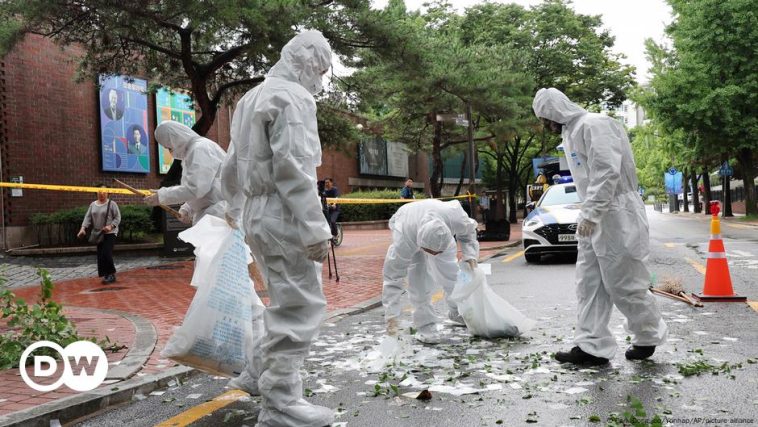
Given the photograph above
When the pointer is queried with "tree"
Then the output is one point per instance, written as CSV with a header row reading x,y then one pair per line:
x,y
708,85
559,48
432,74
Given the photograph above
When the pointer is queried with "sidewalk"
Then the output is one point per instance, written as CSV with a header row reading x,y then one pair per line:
x,y
159,296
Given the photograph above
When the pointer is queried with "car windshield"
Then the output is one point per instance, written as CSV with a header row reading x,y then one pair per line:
x,y
560,195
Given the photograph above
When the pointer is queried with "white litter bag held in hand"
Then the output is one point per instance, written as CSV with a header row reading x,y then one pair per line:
x,y
486,313
217,331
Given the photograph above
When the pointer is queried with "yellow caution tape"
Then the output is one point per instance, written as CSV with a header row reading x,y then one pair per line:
x,y
71,188
349,201
79,189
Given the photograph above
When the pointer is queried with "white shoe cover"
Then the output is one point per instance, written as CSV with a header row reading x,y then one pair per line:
x,y
245,383
301,414
428,334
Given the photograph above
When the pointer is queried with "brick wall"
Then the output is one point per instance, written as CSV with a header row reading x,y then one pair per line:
x,y
51,132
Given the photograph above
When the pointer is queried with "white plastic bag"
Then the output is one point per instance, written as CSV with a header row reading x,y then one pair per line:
x,y
486,313
217,333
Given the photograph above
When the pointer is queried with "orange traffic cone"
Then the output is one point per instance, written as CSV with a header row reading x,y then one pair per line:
x,y
718,282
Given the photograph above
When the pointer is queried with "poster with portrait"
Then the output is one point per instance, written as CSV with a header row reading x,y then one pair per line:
x,y
123,124
176,106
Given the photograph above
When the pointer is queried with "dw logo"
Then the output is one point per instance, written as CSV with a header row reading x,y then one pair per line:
x,y
78,357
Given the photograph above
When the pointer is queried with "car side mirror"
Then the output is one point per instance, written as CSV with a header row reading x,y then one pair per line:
x,y
530,206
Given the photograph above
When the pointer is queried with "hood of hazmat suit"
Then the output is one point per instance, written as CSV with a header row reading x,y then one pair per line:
x,y
200,187
434,235
600,158
305,59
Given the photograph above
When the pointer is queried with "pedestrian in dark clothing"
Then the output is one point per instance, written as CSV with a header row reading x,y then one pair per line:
x,y
104,216
331,191
407,191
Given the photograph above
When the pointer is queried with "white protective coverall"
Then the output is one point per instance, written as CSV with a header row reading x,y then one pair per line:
x,y
200,188
610,267
429,224
270,172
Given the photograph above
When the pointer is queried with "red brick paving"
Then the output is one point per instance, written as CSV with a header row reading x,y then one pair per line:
x,y
162,296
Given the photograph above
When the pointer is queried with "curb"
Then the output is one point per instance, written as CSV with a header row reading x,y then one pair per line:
x,y
72,408
145,340
364,306
83,249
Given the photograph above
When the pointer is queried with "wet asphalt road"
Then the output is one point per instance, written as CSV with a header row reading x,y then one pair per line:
x,y
525,385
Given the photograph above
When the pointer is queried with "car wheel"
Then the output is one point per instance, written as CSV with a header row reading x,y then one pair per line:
x,y
532,257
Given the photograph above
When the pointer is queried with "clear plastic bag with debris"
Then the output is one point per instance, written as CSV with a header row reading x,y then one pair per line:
x,y
217,333
485,312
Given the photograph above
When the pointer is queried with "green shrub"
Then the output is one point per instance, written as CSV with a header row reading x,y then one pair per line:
x,y
43,321
370,212
60,227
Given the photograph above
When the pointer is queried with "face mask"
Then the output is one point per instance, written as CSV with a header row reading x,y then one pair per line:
x,y
314,84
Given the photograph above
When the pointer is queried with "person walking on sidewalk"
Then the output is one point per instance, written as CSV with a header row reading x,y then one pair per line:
x,y
269,182
200,188
104,216
424,250
612,233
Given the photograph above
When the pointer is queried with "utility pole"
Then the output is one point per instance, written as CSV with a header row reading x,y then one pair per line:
x,y
471,162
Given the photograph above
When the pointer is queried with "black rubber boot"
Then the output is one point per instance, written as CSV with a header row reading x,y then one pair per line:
x,y
639,352
579,357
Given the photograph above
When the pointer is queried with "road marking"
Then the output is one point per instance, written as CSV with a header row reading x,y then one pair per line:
x,y
191,415
696,265
753,304
514,256
742,226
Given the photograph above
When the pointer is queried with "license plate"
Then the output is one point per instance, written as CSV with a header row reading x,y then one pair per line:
x,y
567,237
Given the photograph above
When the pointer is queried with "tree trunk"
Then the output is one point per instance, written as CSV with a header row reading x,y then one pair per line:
x,y
707,190
685,199
434,180
695,192
745,158
463,173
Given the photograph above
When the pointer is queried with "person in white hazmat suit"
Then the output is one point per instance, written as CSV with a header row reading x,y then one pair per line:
x,y
269,180
423,250
200,187
200,191
612,233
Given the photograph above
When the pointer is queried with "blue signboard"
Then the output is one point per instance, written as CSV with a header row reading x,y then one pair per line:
x,y
673,181
124,139
726,170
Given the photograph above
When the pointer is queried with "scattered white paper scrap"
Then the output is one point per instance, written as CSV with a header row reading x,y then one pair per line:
x,y
371,382
457,390
340,424
730,339
515,386
157,393
473,351
700,332
194,396
539,370
575,390
585,384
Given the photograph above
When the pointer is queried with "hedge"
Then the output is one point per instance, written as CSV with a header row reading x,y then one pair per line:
x,y
60,227
350,213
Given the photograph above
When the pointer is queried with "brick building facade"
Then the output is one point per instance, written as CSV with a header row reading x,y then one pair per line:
x,y
50,134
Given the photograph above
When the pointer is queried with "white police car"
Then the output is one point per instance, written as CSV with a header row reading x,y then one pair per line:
x,y
551,227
